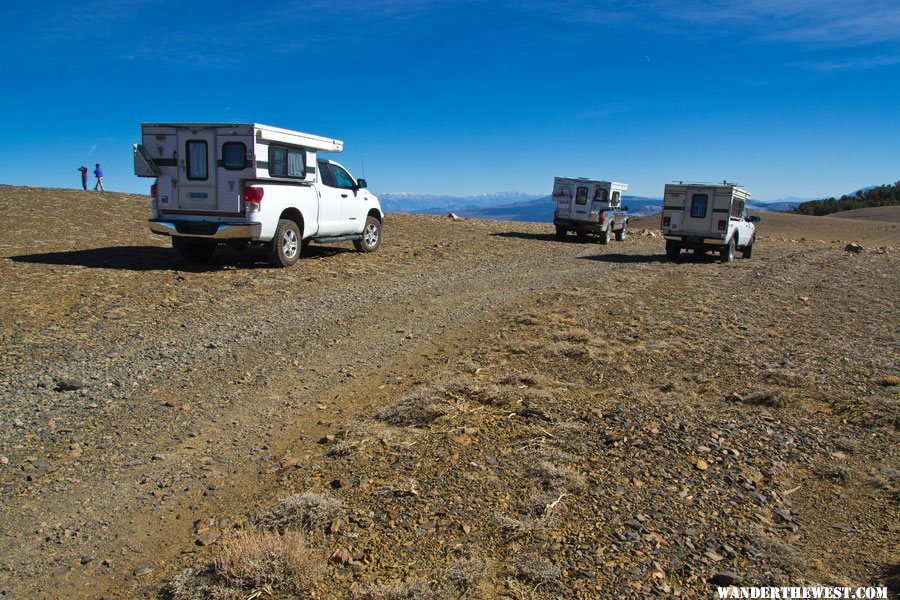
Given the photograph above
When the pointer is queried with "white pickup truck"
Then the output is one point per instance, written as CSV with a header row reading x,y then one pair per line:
x,y
707,216
589,207
252,184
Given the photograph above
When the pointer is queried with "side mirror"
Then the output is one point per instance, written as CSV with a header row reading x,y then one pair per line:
x,y
755,219
625,208
361,184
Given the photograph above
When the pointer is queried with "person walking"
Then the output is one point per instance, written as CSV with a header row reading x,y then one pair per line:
x,y
84,172
98,173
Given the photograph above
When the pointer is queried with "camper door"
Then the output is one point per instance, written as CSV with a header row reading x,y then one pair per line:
x,y
562,195
698,210
197,169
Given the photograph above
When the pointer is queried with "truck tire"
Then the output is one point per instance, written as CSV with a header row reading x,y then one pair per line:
x,y
284,249
727,252
193,250
673,249
747,251
561,232
605,236
371,236
622,233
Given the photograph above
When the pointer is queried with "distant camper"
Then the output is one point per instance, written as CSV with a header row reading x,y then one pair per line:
x,y
589,207
84,172
707,217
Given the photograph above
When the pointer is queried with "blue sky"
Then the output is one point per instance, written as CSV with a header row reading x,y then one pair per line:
x,y
788,98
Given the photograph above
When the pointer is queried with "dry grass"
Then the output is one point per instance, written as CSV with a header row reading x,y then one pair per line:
x,y
468,574
309,511
398,591
258,560
264,558
416,410
537,570
768,397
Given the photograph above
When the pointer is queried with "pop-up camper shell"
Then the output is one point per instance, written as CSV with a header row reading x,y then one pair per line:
x,y
206,181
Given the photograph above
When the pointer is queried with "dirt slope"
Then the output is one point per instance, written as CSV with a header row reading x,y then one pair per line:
x,y
564,420
889,214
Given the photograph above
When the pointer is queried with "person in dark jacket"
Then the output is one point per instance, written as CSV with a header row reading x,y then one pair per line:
x,y
84,172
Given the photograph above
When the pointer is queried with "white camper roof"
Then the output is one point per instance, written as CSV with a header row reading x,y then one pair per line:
x,y
736,188
265,133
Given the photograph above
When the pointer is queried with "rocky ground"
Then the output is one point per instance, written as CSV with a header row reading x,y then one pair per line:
x,y
475,410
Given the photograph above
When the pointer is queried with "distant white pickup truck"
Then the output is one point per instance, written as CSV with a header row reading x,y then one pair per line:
x,y
252,184
589,207
707,216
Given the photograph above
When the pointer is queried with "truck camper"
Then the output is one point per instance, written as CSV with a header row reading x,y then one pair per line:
x,y
589,207
252,184
707,216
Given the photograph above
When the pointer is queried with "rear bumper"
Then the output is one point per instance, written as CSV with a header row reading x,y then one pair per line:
x,y
588,226
695,241
206,229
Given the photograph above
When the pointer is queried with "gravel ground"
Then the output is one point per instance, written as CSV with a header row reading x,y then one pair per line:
x,y
498,414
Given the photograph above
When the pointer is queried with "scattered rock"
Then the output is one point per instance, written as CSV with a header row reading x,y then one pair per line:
x,y
854,247
144,570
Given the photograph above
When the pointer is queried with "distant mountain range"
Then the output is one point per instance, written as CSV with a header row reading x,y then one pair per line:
x,y
516,206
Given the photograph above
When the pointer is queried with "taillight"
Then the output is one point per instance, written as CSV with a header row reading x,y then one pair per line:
x,y
601,218
253,194
666,221
153,190
722,225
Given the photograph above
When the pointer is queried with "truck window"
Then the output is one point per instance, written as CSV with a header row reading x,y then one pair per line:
x,y
285,161
234,156
698,206
600,195
197,164
581,195
343,178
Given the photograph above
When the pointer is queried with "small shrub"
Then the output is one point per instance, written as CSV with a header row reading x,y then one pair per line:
x,y
398,591
468,574
537,570
265,558
309,511
416,410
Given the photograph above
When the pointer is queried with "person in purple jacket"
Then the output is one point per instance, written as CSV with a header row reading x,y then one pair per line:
x,y
84,172
98,173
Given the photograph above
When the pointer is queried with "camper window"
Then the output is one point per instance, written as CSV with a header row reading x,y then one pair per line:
x,y
698,206
234,156
737,208
615,199
601,195
581,195
287,162
197,165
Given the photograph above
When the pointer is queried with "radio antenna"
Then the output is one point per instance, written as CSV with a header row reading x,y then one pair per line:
x,y
363,164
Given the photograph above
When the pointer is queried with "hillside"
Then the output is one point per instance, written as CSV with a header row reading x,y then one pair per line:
x,y
873,196
475,410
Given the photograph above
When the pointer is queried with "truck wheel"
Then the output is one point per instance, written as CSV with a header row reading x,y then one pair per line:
x,y
605,236
673,249
727,252
371,236
747,252
622,233
193,250
284,249
561,232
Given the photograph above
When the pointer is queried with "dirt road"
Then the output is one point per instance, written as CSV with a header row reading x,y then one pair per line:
x,y
148,407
